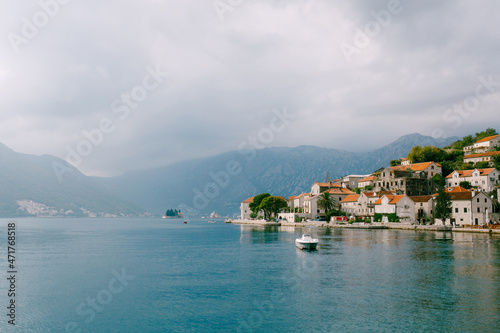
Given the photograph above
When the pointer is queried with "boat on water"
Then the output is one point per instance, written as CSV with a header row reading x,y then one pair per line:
x,y
185,221
306,242
212,221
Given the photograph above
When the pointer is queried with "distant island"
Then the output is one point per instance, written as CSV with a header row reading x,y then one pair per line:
x,y
173,214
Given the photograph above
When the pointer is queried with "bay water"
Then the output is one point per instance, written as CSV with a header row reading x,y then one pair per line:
x,y
157,275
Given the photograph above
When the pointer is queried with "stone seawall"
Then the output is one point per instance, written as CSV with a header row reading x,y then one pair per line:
x,y
398,226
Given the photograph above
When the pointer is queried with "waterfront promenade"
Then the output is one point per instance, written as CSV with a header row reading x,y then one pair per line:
x,y
400,226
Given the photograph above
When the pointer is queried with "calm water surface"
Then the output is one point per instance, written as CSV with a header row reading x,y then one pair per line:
x,y
154,275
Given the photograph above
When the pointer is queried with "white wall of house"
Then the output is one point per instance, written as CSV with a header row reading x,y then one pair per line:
x,y
482,182
245,211
384,207
405,208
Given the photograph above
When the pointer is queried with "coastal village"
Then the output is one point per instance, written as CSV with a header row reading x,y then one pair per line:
x,y
403,193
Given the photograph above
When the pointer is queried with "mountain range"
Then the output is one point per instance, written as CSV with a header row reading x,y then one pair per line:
x,y
31,187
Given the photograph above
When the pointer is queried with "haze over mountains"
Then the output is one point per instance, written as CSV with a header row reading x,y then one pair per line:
x,y
217,183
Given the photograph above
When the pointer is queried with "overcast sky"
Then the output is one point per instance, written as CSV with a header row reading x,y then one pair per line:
x,y
353,75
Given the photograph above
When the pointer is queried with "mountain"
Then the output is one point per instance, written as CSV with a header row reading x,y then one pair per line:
x,y
48,186
31,186
221,182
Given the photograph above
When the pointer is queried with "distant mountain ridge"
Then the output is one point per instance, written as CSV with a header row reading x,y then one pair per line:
x,y
279,171
217,183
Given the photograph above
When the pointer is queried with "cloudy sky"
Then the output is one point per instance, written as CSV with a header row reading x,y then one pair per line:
x,y
153,82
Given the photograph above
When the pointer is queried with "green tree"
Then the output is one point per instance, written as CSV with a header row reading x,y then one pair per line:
x,y
272,205
443,209
420,154
326,202
395,162
465,184
257,200
438,180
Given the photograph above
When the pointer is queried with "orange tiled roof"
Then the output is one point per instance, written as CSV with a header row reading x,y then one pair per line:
x,y
330,184
422,166
351,198
415,166
491,153
488,138
368,179
249,200
455,189
421,198
379,201
468,173
396,199
339,191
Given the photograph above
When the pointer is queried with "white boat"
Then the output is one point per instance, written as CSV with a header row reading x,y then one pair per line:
x,y
306,242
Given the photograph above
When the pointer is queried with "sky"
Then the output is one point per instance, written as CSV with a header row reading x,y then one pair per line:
x,y
113,86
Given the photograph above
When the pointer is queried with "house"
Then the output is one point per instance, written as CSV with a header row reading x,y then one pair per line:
x,y
352,181
405,161
483,146
469,208
482,179
311,203
245,209
483,157
412,180
298,201
318,188
424,206
401,205
367,181
351,205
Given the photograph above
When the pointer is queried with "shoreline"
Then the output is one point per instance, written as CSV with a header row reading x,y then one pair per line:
x,y
397,226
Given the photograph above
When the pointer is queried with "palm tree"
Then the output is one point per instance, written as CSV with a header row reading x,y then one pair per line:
x,y
326,202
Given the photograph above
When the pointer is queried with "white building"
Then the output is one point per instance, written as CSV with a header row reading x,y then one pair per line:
x,y
483,157
424,206
352,181
401,205
482,179
469,207
351,205
367,181
484,145
245,209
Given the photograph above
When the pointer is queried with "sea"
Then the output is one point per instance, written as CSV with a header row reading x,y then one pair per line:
x,y
157,275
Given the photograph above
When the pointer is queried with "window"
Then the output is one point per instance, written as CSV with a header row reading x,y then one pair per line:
x,y
479,209
486,200
465,209
456,210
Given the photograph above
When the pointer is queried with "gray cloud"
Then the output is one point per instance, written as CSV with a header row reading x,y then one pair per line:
x,y
227,76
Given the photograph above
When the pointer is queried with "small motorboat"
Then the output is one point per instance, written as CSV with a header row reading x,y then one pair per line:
x,y
306,242
185,221
212,221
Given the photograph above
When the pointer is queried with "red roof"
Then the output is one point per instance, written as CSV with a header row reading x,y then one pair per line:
x,y
351,198
415,166
492,153
368,179
421,198
468,173
488,138
249,200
